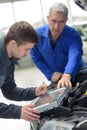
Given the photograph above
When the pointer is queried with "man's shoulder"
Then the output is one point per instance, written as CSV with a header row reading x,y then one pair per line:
x,y
70,30
69,27
43,28
1,41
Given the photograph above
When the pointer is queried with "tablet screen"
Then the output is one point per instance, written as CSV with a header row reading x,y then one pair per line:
x,y
49,97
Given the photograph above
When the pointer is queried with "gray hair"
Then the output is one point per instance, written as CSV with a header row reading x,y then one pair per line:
x,y
59,7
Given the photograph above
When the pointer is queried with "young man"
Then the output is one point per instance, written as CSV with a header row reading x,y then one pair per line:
x,y
17,43
59,52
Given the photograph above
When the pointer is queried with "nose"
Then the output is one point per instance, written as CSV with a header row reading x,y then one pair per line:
x,y
57,25
28,52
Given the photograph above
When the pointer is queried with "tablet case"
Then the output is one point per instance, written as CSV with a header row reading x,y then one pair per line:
x,y
51,99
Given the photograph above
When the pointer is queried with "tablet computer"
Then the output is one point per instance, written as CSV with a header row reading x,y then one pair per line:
x,y
51,99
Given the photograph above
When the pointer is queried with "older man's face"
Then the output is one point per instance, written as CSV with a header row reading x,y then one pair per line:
x,y
57,21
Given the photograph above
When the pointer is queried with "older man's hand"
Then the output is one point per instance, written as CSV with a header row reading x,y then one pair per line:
x,y
56,76
65,81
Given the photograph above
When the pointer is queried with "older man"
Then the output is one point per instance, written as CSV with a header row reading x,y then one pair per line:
x,y
59,52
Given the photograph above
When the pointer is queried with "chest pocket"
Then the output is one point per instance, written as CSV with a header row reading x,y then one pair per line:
x,y
2,79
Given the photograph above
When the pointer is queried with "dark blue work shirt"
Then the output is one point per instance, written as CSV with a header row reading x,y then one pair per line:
x,y
64,57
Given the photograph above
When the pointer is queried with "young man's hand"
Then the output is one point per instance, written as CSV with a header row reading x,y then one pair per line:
x,y
41,90
28,113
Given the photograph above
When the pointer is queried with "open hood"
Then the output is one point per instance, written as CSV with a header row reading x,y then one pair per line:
x,y
82,4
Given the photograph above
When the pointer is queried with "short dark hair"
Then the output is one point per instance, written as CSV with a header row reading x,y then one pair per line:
x,y
22,32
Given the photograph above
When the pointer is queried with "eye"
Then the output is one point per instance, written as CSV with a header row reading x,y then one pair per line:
x,y
27,49
54,21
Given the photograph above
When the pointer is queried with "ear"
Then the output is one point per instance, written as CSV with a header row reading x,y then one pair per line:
x,y
48,19
13,44
66,19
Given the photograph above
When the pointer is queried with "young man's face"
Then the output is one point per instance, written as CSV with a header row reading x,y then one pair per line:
x,y
56,21
22,50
